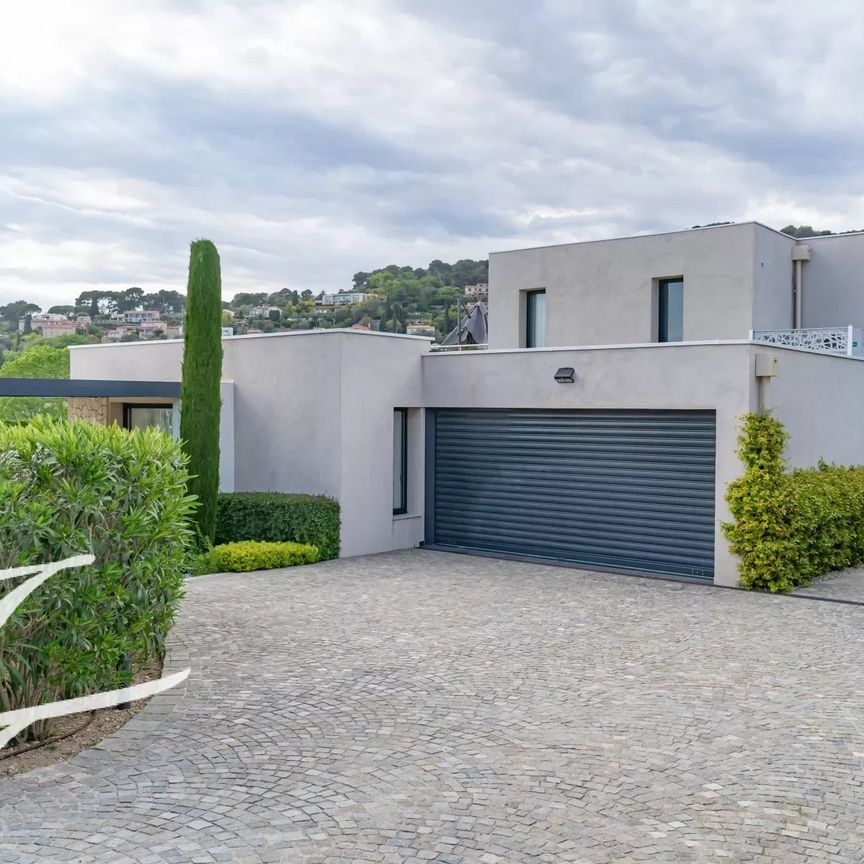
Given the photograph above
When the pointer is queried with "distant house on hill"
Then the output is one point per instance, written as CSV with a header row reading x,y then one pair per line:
x,y
345,299
54,328
420,328
141,316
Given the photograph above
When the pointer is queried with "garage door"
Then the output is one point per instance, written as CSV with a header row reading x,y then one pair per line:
x,y
622,490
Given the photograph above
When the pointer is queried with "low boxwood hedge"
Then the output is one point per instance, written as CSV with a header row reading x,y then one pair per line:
x,y
277,517
791,526
248,555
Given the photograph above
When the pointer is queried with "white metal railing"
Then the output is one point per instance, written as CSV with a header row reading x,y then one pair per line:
x,y
481,347
831,340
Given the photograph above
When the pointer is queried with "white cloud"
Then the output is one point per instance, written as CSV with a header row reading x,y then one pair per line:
x,y
312,139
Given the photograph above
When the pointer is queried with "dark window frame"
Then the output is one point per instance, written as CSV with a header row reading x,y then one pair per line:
x,y
530,313
403,490
127,406
663,308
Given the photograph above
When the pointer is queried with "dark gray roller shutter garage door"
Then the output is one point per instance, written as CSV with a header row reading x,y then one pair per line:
x,y
623,490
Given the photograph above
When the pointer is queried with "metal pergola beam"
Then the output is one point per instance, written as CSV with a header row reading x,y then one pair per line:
x,y
80,387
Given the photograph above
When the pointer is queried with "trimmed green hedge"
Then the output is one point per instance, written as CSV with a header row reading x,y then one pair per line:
x,y
72,488
790,527
277,517
250,555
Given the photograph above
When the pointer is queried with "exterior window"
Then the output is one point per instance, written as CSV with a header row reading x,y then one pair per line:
x,y
535,319
400,461
670,317
148,417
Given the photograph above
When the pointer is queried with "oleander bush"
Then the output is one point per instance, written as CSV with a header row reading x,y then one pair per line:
x,y
791,526
278,517
247,555
76,488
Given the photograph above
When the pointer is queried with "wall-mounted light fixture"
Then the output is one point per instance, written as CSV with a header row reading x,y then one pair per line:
x,y
565,375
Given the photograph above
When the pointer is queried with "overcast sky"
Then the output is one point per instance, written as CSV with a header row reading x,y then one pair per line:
x,y
313,139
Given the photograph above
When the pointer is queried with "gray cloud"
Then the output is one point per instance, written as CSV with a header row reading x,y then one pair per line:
x,y
313,139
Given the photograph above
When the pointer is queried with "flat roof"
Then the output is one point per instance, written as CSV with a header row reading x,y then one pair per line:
x,y
318,331
833,236
654,234
659,346
71,387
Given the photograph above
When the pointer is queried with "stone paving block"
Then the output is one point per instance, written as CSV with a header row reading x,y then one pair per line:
x,y
422,706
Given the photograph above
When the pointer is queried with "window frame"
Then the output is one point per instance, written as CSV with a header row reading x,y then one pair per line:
x,y
128,406
530,318
403,486
663,309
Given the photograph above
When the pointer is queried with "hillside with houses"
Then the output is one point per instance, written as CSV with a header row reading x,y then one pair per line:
x,y
397,299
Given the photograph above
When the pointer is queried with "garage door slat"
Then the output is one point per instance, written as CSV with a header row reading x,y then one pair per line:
x,y
623,489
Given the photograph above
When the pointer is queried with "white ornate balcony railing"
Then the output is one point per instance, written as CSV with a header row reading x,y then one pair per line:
x,y
831,340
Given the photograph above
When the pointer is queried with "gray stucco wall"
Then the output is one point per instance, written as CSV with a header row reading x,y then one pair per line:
x,y
378,375
272,383
820,401
772,280
834,281
603,293
312,412
683,377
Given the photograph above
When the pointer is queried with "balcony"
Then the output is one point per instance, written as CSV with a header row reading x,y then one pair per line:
x,y
472,346
844,341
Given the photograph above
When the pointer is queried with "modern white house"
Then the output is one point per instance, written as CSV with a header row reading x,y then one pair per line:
x,y
344,299
597,427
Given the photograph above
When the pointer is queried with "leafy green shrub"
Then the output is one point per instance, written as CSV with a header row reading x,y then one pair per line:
x,y
72,488
279,516
254,555
790,527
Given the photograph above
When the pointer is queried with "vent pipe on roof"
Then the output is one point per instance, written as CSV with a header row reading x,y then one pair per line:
x,y
800,254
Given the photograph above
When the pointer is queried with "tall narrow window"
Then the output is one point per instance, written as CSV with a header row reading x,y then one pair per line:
x,y
535,319
400,461
670,317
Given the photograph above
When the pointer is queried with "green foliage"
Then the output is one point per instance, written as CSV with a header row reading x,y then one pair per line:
x,y
279,516
202,371
66,340
15,311
247,555
39,361
72,488
790,527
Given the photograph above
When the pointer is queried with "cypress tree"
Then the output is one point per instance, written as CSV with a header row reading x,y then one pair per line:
x,y
200,399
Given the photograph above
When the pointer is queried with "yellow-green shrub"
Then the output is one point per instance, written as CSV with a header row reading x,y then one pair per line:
x,y
278,517
790,527
256,555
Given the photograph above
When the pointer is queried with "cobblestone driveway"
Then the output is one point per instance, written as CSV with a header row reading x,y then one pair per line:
x,y
422,706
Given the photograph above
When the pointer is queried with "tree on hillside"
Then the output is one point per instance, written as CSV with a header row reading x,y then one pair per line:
x,y
129,299
62,310
246,299
166,302
14,312
202,370
804,231
359,281
99,302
